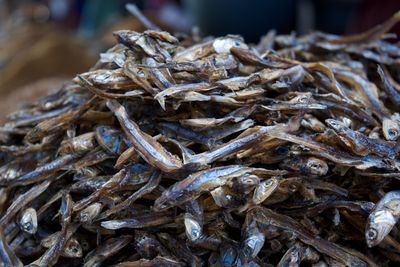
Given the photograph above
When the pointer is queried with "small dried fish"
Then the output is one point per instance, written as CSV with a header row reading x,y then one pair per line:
x,y
178,150
359,143
199,183
147,147
90,213
50,257
383,217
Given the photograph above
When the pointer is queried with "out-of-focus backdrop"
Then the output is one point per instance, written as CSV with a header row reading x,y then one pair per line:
x,y
45,42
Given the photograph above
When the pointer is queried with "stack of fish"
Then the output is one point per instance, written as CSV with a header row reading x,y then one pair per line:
x,y
183,151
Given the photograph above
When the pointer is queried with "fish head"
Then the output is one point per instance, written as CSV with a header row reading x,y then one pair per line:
x,y
391,129
379,225
253,244
265,189
223,45
73,249
193,228
316,166
334,124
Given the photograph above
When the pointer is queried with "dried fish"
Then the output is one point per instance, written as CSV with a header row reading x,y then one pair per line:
x,y
147,147
178,150
105,250
382,218
199,183
142,221
50,257
193,220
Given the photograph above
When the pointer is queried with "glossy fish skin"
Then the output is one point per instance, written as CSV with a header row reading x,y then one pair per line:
x,y
139,222
146,146
382,219
241,143
196,184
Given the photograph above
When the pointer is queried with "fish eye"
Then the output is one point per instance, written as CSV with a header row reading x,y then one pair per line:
x,y
392,132
282,150
372,234
195,233
28,226
303,99
315,166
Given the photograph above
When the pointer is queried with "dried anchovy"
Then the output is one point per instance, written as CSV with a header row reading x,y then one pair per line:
x,y
182,151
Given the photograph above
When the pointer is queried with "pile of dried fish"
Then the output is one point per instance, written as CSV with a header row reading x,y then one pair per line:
x,y
182,151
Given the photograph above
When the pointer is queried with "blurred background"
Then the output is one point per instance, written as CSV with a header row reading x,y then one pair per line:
x,y
45,42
